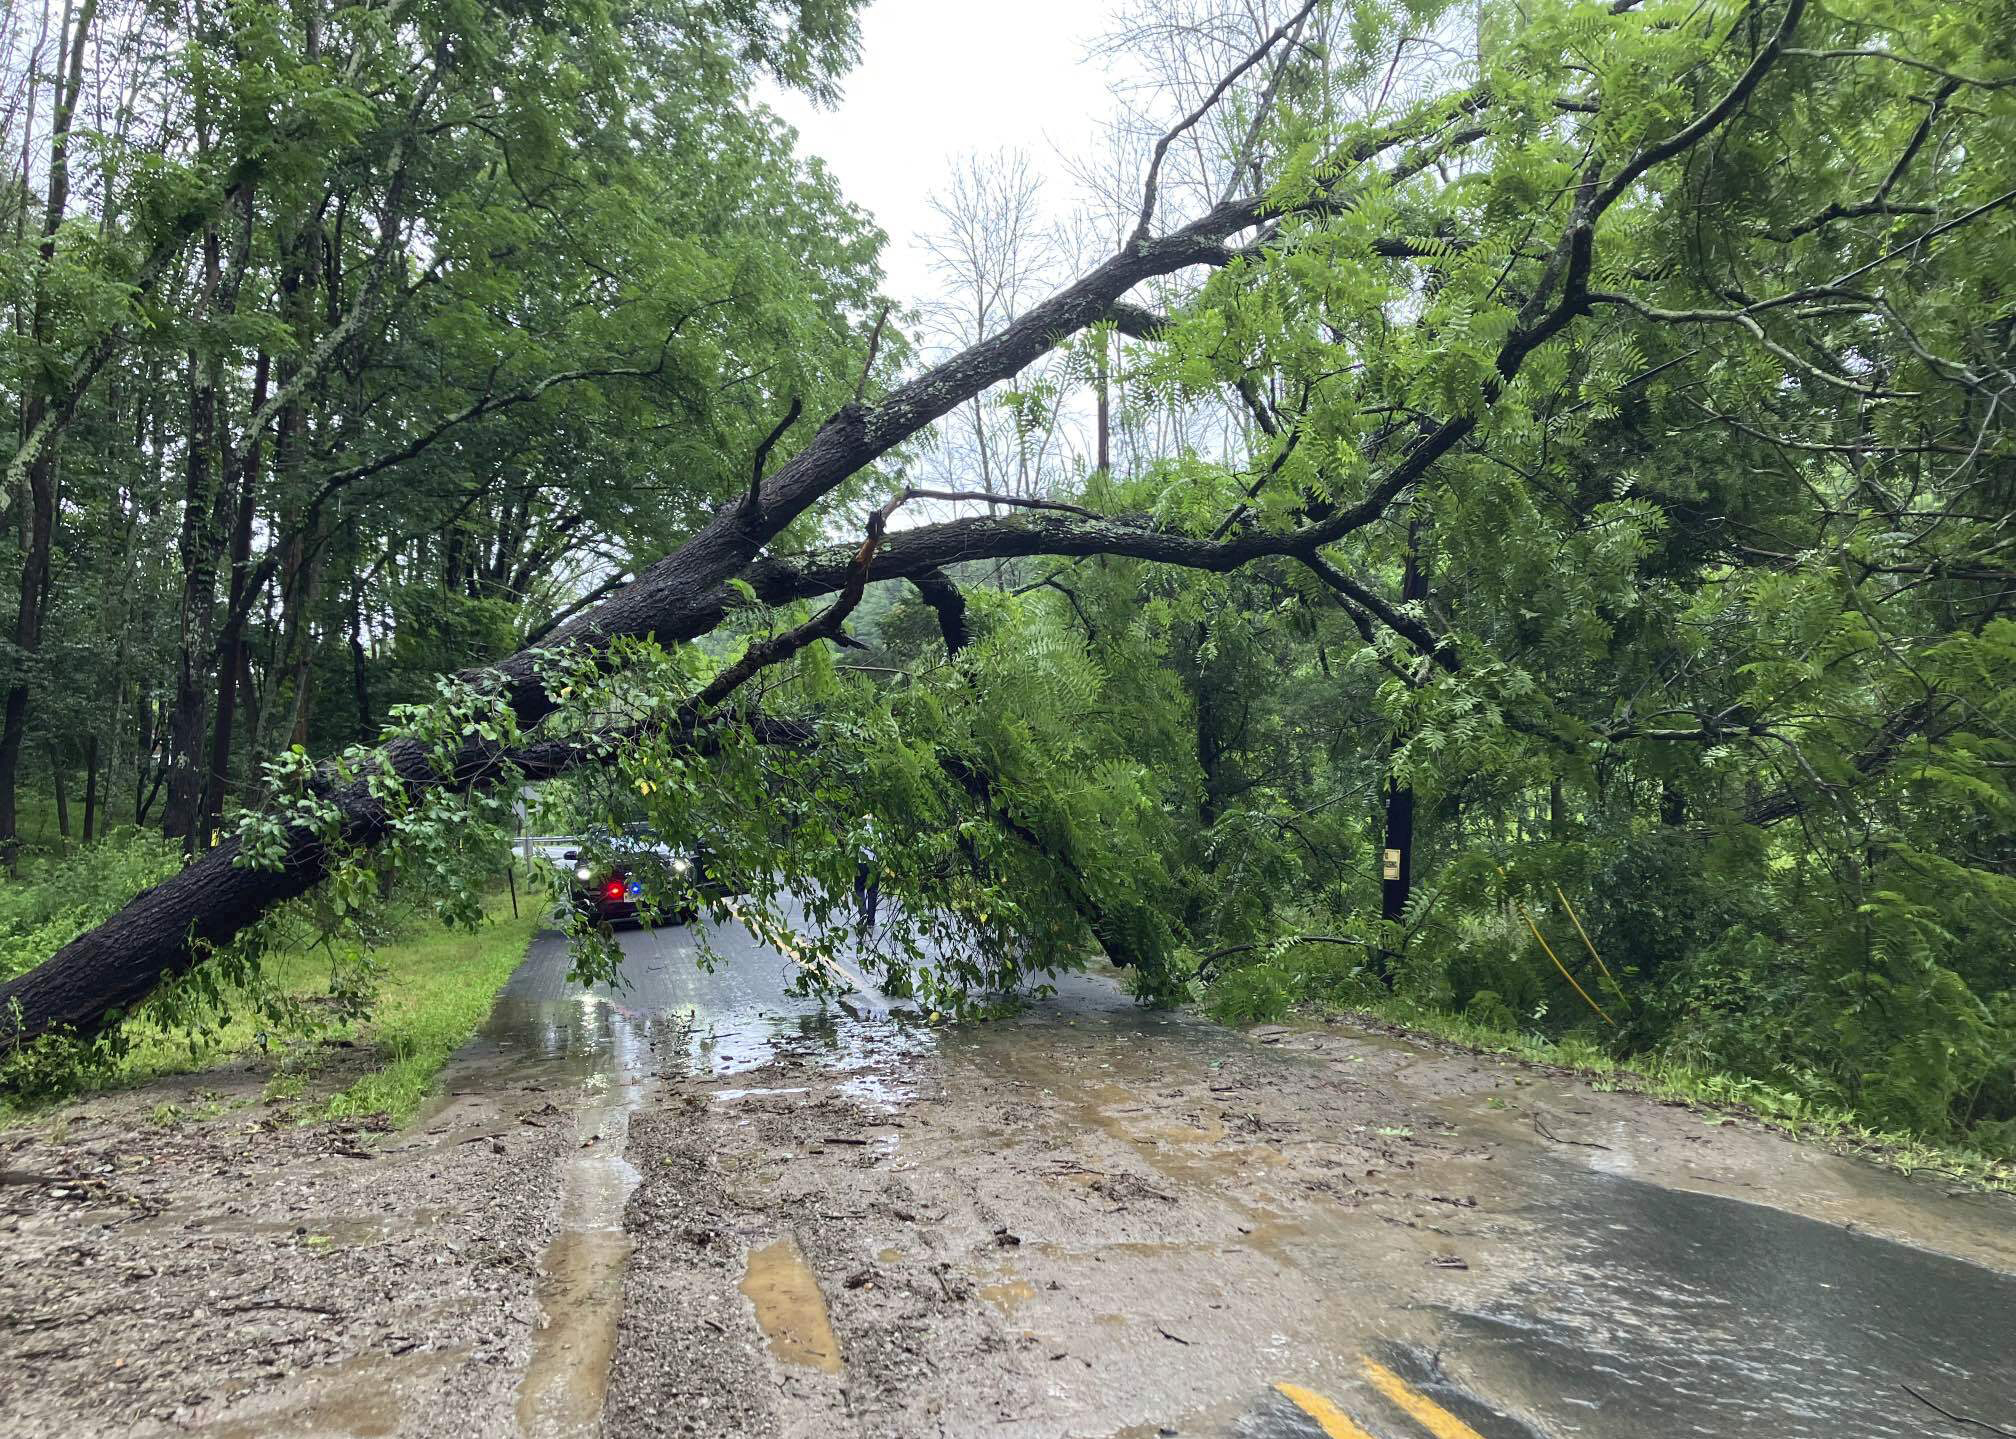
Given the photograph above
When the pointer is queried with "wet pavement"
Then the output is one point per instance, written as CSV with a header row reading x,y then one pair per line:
x,y
1145,1224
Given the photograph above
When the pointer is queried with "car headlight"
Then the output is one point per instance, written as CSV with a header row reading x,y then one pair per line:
x,y
582,872
681,865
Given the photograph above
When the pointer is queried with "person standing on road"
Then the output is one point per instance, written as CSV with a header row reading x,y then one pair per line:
x,y
867,877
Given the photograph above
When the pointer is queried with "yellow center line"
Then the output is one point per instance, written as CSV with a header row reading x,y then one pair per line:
x,y
1336,1423
1418,1406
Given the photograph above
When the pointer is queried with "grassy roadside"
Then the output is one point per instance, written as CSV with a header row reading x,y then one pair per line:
x,y
435,987
1718,1098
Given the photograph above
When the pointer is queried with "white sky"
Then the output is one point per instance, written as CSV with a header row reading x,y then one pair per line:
x,y
940,79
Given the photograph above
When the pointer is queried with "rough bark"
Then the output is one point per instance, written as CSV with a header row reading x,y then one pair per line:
x,y
231,643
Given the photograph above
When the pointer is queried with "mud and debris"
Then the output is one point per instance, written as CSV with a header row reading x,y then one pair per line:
x,y
183,1257
1098,1220
722,1210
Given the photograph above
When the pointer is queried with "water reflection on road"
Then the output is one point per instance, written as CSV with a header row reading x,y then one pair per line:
x,y
1664,1312
735,1017
1638,1311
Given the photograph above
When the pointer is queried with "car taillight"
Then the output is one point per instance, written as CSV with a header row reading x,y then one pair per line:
x,y
613,890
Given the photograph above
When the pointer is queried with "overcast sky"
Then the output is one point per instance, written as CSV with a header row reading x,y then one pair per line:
x,y
940,79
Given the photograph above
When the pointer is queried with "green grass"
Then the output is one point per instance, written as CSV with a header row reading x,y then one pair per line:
x,y
435,987
35,819
447,980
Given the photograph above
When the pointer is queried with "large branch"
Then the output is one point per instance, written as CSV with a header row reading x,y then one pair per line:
x,y
684,595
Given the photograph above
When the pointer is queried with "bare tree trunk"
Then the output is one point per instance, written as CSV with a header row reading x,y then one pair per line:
x,y
231,647
182,817
90,787
58,779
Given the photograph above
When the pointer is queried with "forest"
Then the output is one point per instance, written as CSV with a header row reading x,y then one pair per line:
x,y
1499,513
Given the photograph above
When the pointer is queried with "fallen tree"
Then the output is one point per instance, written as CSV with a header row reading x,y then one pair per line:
x,y
688,593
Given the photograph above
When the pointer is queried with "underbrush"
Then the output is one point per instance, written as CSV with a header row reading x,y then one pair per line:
x,y
1316,980
408,1001
53,899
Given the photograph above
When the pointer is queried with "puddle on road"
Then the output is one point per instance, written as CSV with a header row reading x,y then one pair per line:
x,y
790,1308
580,1287
729,1096
1008,1295
363,1398
1695,1314
1601,1305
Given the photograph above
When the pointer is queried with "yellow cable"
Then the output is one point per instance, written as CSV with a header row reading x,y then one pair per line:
x,y
1577,921
1562,967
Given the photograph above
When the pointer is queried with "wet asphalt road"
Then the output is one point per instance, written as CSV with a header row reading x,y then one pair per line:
x,y
1647,1312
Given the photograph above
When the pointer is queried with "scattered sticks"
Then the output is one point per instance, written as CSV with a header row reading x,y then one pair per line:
x,y
1957,1418
1545,1133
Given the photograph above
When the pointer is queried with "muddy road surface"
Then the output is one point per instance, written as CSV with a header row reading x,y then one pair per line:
x,y
704,1207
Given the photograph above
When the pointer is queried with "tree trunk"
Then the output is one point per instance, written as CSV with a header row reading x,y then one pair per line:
x,y
41,524
1105,400
231,648
182,819
309,582
90,787
1397,862
59,781
359,682
143,760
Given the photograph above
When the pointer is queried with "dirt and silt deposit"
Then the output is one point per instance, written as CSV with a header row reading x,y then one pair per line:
x,y
703,1207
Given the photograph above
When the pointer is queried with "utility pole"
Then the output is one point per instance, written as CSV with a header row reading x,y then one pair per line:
x,y
1397,859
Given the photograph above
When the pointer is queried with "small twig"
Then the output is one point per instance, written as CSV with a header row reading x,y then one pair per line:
x,y
280,1304
1957,1418
1546,1133
763,450
1014,501
874,344
824,625
1294,22
1167,1335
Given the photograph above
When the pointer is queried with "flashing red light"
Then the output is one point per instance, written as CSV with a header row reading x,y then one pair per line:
x,y
613,890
